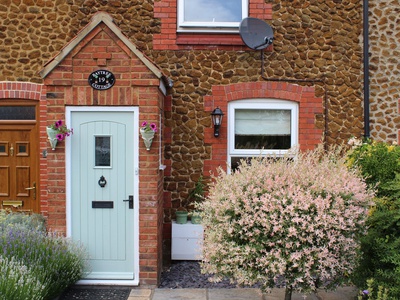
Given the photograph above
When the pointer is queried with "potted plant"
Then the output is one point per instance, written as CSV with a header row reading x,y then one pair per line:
x,y
197,195
57,131
148,131
181,215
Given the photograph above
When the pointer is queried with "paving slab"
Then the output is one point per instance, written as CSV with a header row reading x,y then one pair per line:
x,y
180,294
235,294
140,294
343,293
256,294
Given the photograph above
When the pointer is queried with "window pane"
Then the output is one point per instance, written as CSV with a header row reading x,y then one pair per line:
x,y
262,129
103,151
262,122
212,10
261,142
235,161
17,113
22,149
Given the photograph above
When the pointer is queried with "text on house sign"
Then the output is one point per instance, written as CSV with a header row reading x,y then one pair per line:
x,y
101,79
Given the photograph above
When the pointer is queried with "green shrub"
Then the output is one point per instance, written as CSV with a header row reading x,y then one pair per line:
x,y
55,261
380,257
378,162
370,294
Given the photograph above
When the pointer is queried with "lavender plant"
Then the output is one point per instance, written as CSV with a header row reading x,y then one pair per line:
x,y
18,282
53,260
33,221
297,219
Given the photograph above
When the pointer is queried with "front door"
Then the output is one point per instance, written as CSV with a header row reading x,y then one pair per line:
x,y
19,157
102,191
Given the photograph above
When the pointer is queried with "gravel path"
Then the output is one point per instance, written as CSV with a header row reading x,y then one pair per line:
x,y
180,274
186,274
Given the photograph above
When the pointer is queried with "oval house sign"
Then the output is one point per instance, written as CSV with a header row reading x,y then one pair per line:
x,y
101,79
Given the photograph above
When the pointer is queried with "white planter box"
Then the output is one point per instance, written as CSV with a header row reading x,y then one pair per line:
x,y
187,241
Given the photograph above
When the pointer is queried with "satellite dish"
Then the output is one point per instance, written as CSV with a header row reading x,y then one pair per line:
x,y
255,33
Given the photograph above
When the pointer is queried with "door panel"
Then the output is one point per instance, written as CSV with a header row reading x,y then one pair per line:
x,y
18,168
100,219
5,181
22,179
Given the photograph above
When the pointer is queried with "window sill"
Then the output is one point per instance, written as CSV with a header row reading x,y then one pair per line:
x,y
209,39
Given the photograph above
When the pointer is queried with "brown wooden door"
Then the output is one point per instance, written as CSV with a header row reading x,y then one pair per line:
x,y
19,176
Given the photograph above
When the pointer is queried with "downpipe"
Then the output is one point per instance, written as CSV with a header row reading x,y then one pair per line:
x,y
366,68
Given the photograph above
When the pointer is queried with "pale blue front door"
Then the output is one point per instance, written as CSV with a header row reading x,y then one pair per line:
x,y
102,185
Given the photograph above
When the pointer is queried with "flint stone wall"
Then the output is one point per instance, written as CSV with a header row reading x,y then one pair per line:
x,y
314,40
385,69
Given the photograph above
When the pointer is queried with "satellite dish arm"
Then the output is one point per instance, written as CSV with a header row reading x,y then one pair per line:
x,y
267,41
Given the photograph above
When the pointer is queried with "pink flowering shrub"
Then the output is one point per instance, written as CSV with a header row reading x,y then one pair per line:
x,y
298,219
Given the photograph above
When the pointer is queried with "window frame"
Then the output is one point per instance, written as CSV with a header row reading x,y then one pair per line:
x,y
268,104
188,26
110,153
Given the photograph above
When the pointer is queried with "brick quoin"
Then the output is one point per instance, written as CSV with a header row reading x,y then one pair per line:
x,y
309,106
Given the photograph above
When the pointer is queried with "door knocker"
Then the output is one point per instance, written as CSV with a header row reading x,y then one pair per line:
x,y
102,181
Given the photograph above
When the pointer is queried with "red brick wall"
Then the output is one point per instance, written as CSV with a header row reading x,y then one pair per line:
x,y
135,85
169,39
309,107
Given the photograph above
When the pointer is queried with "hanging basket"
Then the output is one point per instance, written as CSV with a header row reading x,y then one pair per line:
x,y
52,135
147,137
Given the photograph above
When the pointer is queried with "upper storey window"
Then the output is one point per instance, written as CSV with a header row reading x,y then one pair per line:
x,y
211,15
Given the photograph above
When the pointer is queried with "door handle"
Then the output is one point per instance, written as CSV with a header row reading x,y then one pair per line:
x,y
130,200
33,188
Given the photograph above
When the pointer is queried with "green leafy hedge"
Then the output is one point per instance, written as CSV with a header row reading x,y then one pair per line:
x,y
380,248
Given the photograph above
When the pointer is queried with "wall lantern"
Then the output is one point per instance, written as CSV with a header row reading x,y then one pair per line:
x,y
216,116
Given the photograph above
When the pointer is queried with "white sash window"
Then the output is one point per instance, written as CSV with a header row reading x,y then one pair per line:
x,y
261,127
211,15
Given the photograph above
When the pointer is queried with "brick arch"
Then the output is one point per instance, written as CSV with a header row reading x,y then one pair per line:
x,y
310,107
21,90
